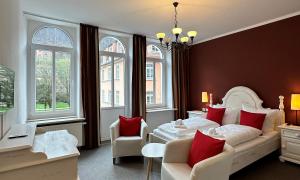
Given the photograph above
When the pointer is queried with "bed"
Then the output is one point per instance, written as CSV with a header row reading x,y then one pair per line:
x,y
251,150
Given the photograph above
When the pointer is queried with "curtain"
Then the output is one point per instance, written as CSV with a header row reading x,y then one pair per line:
x,y
139,76
89,57
180,80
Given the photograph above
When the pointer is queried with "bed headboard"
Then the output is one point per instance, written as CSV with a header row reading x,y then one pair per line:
x,y
240,95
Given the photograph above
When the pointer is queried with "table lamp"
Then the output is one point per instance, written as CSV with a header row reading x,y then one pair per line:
x,y
295,104
204,100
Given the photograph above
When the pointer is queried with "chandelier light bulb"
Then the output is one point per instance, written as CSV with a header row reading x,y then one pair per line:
x,y
184,39
176,31
192,34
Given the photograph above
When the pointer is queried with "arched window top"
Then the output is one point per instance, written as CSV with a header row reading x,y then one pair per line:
x,y
52,36
111,44
154,52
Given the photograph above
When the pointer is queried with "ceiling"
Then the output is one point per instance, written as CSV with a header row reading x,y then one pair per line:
x,y
209,17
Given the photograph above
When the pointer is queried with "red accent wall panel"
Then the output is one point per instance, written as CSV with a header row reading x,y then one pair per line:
x,y
265,59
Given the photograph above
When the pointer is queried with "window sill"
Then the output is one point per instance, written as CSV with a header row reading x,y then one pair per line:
x,y
152,110
57,121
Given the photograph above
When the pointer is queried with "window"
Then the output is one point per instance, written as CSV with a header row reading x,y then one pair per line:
x,y
155,74
52,89
112,61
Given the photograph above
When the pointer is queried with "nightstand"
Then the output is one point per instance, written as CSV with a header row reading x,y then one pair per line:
x,y
290,143
196,113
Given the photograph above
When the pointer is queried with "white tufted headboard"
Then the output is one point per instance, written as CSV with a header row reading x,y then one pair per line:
x,y
239,95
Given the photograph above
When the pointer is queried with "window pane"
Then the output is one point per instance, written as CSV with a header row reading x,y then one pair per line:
x,y
111,44
119,82
62,80
158,83
52,36
154,52
149,83
106,83
43,80
149,71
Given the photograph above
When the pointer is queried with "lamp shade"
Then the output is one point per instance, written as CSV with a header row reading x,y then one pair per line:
x,y
184,39
295,102
204,97
176,31
160,35
192,33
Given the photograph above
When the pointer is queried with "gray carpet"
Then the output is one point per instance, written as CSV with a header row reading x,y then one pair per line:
x,y
97,165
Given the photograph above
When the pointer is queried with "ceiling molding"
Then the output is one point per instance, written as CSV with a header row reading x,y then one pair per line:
x,y
250,27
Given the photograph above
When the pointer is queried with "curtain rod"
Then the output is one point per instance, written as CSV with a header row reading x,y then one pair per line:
x,y
72,22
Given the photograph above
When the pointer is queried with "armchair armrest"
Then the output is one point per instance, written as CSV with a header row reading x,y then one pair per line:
x,y
144,131
114,130
217,167
177,151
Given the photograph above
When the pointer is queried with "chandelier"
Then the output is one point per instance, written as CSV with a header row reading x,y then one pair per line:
x,y
167,42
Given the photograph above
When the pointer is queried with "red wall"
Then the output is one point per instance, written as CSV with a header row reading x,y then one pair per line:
x,y
265,59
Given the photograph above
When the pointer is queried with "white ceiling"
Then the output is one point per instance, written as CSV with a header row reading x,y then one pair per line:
x,y
209,17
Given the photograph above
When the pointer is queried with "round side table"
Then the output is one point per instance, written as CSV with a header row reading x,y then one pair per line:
x,y
150,151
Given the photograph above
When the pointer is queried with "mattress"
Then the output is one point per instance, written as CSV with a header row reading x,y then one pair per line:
x,y
249,152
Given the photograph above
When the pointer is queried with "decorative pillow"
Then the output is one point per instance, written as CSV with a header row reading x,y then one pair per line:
x,y
231,116
130,126
204,147
272,115
215,114
255,120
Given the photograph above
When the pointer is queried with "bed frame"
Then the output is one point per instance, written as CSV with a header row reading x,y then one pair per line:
x,y
235,98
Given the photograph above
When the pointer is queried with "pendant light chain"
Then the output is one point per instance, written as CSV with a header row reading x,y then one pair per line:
x,y
176,17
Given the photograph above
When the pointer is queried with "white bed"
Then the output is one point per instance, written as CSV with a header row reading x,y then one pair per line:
x,y
251,150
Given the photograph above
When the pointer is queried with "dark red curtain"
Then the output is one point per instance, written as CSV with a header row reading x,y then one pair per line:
x,y
180,80
139,76
89,56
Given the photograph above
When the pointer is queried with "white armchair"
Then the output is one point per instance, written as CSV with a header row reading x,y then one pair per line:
x,y
127,145
175,167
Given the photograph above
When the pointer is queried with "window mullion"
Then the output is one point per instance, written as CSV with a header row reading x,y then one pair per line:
x,y
112,81
53,81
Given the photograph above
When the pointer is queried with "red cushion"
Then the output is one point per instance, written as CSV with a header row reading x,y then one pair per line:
x,y
204,147
215,114
255,120
130,126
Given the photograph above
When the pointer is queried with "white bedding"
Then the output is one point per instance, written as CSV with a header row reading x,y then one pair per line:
x,y
190,126
234,134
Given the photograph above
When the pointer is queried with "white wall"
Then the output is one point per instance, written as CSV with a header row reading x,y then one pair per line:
x,y
13,55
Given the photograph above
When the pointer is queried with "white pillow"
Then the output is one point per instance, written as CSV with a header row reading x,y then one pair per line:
x,y
272,115
230,116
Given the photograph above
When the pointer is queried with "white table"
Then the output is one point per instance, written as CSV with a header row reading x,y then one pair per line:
x,y
153,150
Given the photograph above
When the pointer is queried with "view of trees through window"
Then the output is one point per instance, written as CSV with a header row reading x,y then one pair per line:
x,y
52,70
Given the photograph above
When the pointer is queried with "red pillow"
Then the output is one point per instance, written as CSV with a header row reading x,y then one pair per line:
x,y
204,147
215,114
130,126
255,120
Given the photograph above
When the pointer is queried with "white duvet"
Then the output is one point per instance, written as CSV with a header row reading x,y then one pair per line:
x,y
234,134
189,126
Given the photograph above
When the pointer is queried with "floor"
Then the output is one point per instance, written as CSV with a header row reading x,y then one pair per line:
x,y
97,165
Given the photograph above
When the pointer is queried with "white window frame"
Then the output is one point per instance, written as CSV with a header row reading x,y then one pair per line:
x,y
112,78
32,113
164,76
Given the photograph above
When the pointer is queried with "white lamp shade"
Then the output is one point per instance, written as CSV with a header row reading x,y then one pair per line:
x,y
192,33
204,97
176,31
295,102
184,39
160,35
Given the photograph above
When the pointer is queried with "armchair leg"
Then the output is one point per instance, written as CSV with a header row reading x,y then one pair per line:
x,y
114,161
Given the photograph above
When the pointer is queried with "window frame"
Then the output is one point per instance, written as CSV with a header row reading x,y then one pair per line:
x,y
114,55
54,113
163,62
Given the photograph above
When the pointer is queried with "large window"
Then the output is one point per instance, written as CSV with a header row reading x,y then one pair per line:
x,y
51,73
155,74
112,61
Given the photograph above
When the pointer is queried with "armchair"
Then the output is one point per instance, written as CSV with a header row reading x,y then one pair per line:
x,y
127,145
175,167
